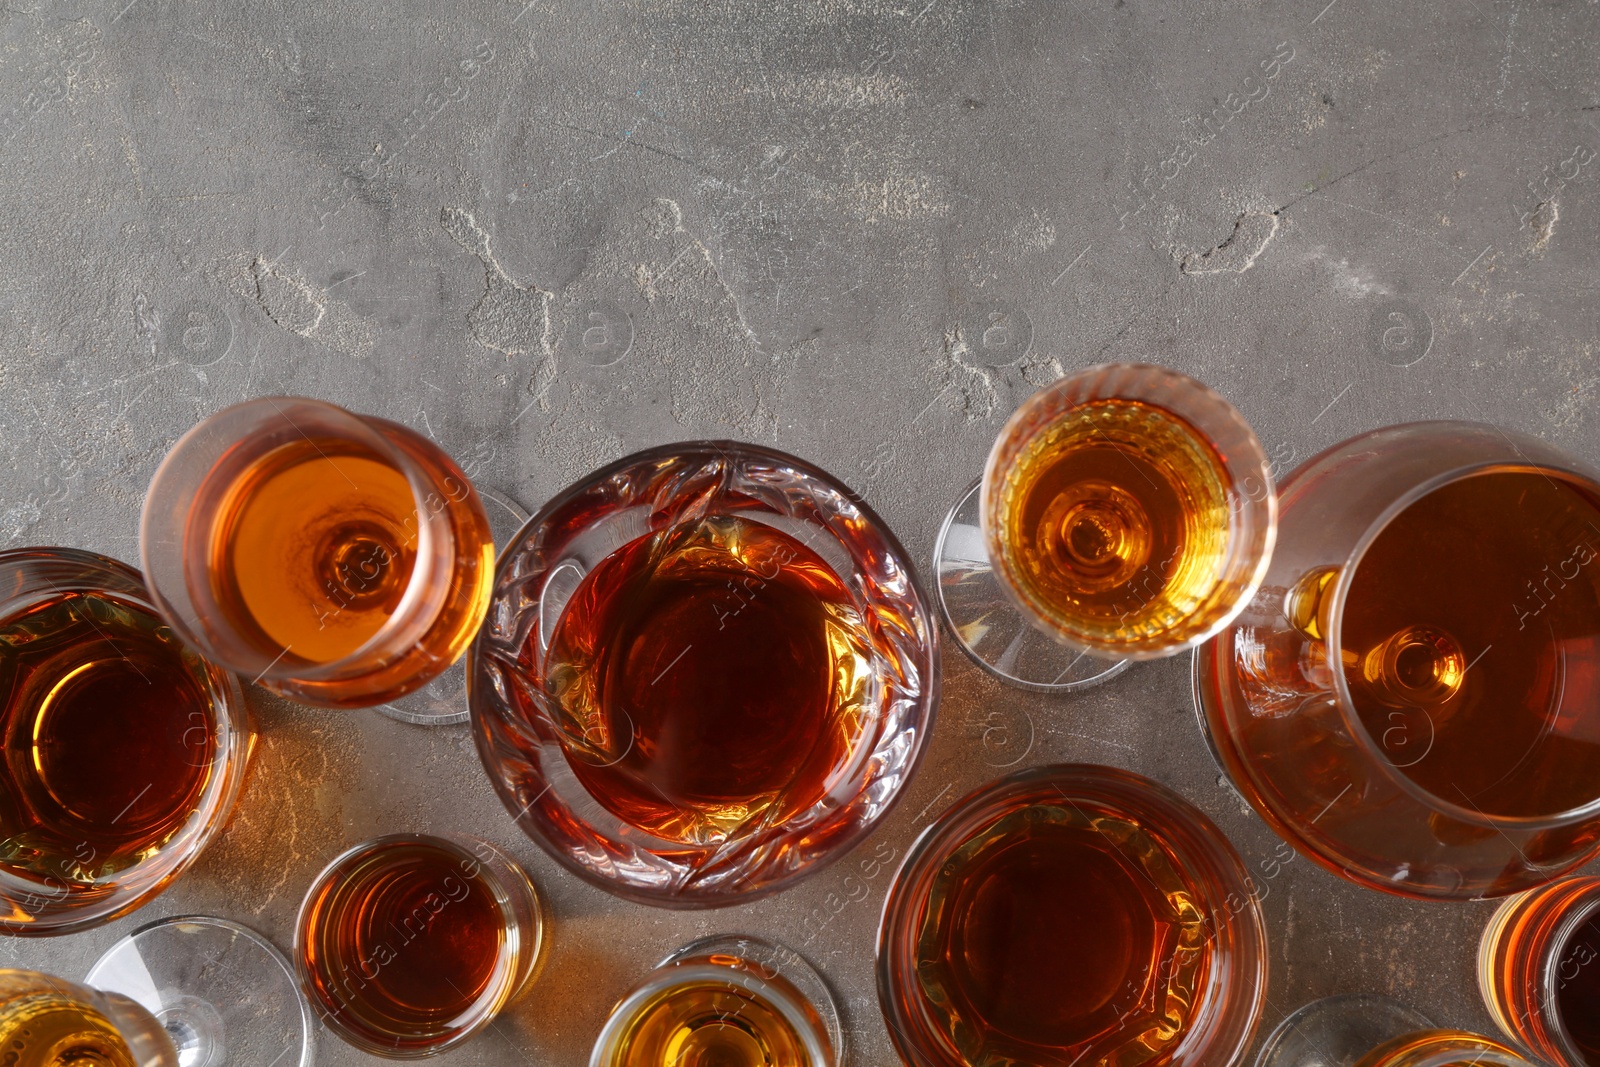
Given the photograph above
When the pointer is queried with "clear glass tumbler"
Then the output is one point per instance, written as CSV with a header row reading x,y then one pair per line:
x,y
1539,971
124,751
725,1001
1363,1030
337,559
707,668
1413,697
1126,512
1071,914
409,944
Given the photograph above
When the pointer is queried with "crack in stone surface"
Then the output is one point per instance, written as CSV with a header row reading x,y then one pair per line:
x,y
510,318
1252,232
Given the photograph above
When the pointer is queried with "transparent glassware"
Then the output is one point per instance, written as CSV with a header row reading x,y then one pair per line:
x,y
124,751
1468,768
48,1022
410,944
1068,913
338,559
726,999
1539,971
774,676
222,993
1126,512
1363,1030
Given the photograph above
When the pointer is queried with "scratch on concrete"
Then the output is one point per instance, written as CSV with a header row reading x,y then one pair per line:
x,y
308,312
1543,224
510,318
1252,232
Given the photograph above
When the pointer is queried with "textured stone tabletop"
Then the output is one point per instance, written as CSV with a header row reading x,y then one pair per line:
x,y
548,233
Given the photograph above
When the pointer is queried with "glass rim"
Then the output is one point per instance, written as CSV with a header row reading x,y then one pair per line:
x,y
1449,1045
1339,591
502,985
1203,852
119,581
1252,524
678,968
1584,906
400,622
492,712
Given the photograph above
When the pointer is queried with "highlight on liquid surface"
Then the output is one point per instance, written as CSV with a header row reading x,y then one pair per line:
x,y
709,678
1114,523
313,548
706,1023
1471,642
399,944
1577,1000
1058,937
109,735
48,1029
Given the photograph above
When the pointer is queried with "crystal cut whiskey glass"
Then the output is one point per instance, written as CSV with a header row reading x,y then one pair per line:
x,y
706,669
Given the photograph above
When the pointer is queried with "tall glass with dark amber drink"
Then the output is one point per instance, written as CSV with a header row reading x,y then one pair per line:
x,y
1126,512
725,1001
706,668
1539,971
1413,697
1071,915
338,559
124,752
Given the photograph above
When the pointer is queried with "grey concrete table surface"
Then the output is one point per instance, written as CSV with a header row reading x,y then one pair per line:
x,y
548,233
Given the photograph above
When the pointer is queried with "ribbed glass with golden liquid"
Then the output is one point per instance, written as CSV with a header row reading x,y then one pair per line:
x,y
1539,971
47,1022
1443,1048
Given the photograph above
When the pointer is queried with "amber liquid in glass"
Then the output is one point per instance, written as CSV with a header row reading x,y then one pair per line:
x,y
312,549
50,1030
1471,642
400,946
709,1024
1057,937
709,678
1578,989
109,734
1115,521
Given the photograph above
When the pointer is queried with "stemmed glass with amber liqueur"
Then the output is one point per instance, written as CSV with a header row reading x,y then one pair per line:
x,y
1412,698
1363,1030
1126,512
339,559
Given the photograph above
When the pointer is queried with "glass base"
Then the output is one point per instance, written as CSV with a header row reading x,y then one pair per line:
x,y
988,626
769,959
443,701
223,992
1338,1031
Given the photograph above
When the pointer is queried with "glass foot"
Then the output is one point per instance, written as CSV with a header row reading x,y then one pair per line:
x,y
989,628
443,701
223,992
1338,1031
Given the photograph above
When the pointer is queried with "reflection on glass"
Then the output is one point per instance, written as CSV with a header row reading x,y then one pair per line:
x,y
338,559
1071,914
123,751
1126,512
1362,1030
1539,971
1413,698
725,1002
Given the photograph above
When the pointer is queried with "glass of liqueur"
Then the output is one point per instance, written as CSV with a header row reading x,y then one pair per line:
x,y
410,944
124,752
46,1022
725,1002
1539,971
1413,697
706,668
1362,1030
1126,512
338,559
1071,914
